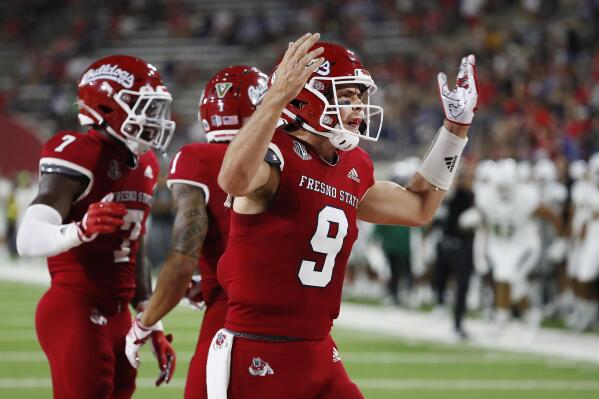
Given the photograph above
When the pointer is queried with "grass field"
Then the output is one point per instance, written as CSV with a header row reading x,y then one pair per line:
x,y
383,367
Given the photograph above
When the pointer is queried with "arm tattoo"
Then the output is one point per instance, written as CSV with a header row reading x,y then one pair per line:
x,y
191,220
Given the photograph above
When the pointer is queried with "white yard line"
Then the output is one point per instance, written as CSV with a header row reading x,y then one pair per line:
x,y
386,384
375,358
515,337
31,271
409,325
468,385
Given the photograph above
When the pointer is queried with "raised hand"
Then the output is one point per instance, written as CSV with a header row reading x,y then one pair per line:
x,y
459,104
295,68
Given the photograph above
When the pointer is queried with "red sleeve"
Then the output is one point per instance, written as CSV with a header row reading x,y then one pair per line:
x,y
186,167
71,151
71,148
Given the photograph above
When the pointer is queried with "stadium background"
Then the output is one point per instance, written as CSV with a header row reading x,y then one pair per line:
x,y
539,97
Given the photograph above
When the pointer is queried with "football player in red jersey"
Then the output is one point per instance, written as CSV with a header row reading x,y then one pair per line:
x,y
202,220
88,219
294,214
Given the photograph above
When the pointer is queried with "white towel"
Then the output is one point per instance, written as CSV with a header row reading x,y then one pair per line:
x,y
218,366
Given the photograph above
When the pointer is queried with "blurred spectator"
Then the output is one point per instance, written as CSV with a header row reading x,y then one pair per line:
x,y
395,241
455,250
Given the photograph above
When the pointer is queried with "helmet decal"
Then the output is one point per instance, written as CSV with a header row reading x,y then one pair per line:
x,y
325,69
109,72
127,97
223,88
228,98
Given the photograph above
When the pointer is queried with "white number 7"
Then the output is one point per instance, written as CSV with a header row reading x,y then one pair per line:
x,y
133,220
323,243
66,140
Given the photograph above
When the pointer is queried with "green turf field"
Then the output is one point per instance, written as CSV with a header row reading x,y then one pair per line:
x,y
384,367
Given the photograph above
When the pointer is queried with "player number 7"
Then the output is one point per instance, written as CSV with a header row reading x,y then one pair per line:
x,y
133,220
66,140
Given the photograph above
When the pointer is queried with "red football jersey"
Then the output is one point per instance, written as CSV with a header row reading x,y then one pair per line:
x,y
104,267
198,164
283,269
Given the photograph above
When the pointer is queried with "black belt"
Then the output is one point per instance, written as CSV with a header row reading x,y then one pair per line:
x,y
256,337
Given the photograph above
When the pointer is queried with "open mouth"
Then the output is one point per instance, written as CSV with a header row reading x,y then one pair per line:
x,y
353,124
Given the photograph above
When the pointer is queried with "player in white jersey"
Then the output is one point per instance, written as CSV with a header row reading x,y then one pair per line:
x,y
553,195
513,246
583,264
483,176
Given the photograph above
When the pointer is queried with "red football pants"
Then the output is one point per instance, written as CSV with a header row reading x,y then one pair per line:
x,y
84,340
214,320
300,370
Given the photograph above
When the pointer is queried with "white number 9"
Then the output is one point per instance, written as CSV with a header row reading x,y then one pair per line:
x,y
323,243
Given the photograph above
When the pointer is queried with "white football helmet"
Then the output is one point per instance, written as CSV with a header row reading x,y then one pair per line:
x,y
544,171
578,169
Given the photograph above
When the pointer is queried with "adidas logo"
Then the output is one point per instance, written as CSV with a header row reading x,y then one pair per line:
x,y
336,357
353,175
450,162
148,172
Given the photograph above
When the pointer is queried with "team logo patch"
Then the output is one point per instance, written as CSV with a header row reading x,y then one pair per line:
x,y
301,151
110,72
221,341
353,174
97,318
148,172
336,357
222,88
260,368
114,172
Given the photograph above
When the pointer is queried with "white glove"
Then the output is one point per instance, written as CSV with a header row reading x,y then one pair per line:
x,y
136,338
459,104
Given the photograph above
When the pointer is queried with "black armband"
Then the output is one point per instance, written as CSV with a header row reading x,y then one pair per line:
x,y
272,159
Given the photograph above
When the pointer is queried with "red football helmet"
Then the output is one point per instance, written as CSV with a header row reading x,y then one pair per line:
x,y
316,108
127,97
228,98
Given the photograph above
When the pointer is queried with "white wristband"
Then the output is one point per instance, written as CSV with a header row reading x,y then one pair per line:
x,y
440,163
42,234
156,327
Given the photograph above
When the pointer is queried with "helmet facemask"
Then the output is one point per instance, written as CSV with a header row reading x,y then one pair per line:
x,y
148,123
345,135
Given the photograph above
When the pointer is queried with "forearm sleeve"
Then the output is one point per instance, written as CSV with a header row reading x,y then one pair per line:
x,y
42,233
440,164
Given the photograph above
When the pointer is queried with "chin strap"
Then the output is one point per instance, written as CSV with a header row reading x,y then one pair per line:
x,y
344,142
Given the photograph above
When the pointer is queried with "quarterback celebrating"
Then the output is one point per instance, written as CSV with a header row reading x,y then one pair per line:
x,y
88,219
294,218
202,220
